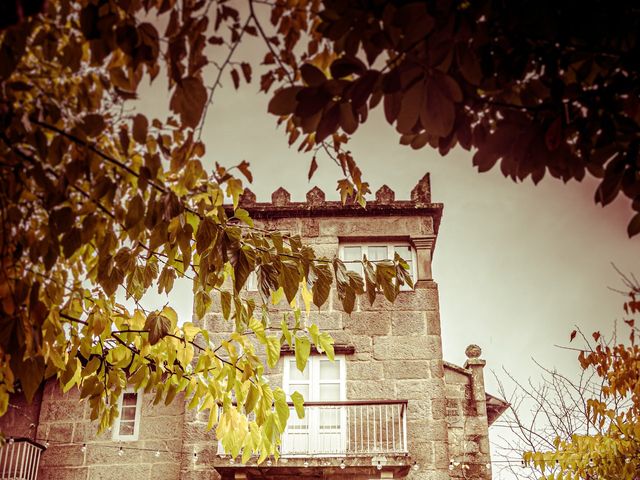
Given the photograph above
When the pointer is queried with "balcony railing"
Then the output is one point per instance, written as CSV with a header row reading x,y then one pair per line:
x,y
349,428
19,459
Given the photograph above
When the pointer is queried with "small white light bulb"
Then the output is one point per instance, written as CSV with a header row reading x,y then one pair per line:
x,y
305,464
83,448
120,452
379,466
232,461
415,466
343,465
157,454
269,463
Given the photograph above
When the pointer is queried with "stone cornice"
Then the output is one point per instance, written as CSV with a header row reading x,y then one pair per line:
x,y
384,204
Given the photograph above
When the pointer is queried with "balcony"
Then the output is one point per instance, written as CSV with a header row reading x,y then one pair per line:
x,y
347,429
19,459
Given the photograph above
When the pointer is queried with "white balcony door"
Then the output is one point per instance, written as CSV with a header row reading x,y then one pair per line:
x,y
323,429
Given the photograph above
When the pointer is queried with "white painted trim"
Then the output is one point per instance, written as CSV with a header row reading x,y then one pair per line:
x,y
313,364
136,424
314,384
390,253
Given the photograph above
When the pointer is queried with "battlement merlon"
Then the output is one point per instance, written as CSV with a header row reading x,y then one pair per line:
x,y
274,215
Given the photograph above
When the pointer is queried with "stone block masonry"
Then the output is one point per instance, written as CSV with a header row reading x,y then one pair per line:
x,y
394,353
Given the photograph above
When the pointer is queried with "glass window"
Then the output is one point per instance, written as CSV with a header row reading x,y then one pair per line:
x,y
321,381
352,256
127,424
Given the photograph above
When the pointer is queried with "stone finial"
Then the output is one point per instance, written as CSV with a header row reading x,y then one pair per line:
x,y
421,193
473,351
247,197
385,195
315,196
280,197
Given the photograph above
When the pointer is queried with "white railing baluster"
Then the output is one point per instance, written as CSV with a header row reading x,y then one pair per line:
x,y
19,459
332,429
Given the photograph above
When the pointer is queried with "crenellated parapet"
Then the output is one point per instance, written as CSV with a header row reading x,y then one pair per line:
x,y
384,203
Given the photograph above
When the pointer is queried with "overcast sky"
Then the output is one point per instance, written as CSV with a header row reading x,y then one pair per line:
x,y
518,265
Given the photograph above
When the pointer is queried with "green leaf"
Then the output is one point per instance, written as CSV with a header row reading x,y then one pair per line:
x,y
634,225
225,304
252,399
324,344
30,372
273,350
202,303
321,279
158,327
312,75
284,101
188,100
140,128
298,403
303,350
242,215
281,406
289,279
370,280
285,332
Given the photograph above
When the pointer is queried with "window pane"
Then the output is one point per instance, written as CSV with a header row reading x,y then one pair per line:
x,y
404,252
128,413
378,252
295,374
329,418
129,399
301,389
329,370
352,253
126,428
329,392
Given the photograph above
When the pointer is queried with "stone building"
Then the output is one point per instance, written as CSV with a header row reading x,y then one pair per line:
x,y
388,407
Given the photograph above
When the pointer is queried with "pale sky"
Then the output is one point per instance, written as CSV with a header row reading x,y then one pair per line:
x,y
518,265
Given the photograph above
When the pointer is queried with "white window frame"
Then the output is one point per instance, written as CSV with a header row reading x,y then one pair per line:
x,y
314,382
391,249
252,282
313,414
136,425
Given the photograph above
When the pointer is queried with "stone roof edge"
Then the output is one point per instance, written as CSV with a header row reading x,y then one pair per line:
x,y
495,405
337,209
456,368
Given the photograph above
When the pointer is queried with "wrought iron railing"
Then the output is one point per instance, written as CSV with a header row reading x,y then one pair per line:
x,y
19,459
349,428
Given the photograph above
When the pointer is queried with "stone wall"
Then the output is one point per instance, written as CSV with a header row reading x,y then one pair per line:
x,y
21,419
397,355
467,425
63,423
398,349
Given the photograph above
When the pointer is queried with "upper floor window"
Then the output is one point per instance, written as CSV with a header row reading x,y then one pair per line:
x,y
353,253
321,381
127,425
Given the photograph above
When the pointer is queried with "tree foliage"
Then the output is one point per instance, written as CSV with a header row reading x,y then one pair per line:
x,y
97,200
536,86
610,445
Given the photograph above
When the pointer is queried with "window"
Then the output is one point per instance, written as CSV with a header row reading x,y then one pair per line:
x,y
352,255
322,429
127,425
